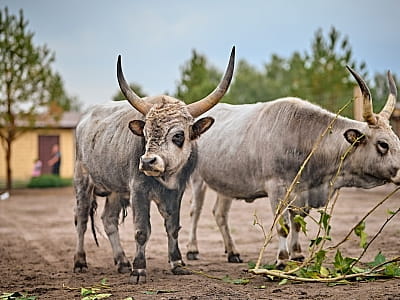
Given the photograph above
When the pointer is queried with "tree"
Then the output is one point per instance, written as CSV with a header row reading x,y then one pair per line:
x,y
380,90
135,87
248,85
198,79
28,86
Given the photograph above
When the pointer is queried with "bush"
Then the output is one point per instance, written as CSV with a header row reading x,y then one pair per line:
x,y
49,180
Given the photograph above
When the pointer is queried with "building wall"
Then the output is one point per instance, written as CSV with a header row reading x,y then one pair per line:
x,y
25,151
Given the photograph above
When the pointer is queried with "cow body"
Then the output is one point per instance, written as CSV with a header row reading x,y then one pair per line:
x,y
256,150
134,157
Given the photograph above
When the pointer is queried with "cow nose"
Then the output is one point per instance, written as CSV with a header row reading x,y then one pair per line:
x,y
148,161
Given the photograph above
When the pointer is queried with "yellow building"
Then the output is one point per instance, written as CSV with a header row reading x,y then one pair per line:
x,y
37,143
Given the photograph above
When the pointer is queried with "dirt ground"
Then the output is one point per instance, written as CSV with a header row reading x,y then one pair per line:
x,y
37,241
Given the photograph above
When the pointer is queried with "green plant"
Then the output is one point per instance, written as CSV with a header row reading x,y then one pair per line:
x,y
16,296
317,267
48,180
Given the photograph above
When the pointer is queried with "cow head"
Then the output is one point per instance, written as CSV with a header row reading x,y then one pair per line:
x,y
378,147
169,126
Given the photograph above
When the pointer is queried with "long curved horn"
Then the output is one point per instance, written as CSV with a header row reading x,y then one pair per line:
x,y
391,101
137,102
368,112
201,106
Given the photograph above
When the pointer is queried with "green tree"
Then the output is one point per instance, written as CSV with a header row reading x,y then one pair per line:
x,y
135,87
318,75
380,89
247,86
198,79
28,86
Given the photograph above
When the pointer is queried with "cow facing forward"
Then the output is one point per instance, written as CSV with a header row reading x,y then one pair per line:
x,y
143,154
256,150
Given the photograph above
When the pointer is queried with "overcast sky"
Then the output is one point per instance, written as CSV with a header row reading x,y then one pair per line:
x,y
155,38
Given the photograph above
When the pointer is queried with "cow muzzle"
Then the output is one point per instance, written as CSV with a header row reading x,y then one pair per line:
x,y
396,178
152,165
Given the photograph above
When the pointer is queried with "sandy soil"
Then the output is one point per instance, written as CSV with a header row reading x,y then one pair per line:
x,y
37,241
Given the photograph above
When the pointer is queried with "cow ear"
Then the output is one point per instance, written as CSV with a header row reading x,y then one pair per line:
x,y
354,136
200,127
136,126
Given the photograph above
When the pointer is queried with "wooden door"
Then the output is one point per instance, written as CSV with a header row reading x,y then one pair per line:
x,y
46,142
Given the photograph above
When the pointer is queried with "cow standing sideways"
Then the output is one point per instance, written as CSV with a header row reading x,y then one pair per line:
x,y
141,154
256,150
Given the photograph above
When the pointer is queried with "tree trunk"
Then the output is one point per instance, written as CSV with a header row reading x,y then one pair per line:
x,y
8,166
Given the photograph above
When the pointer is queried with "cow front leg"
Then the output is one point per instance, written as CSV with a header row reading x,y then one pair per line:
x,y
198,192
110,218
294,245
221,212
141,219
169,208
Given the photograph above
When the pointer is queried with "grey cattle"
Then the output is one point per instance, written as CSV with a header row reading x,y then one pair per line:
x,y
136,156
256,150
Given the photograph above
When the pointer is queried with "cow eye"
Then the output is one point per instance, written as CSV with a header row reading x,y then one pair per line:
x,y
383,147
178,138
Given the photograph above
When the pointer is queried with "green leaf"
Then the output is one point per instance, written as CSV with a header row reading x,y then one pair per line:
x,y
392,270
96,296
103,281
17,296
283,225
251,264
342,264
303,224
356,270
242,281
359,231
85,291
319,258
317,241
324,220
324,272
283,281
378,260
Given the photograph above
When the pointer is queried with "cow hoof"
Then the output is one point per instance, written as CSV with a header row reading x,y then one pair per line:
x,y
180,270
136,276
192,255
80,265
124,267
298,258
234,258
280,266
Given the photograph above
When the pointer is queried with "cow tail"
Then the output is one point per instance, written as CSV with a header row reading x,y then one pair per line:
x,y
124,204
92,212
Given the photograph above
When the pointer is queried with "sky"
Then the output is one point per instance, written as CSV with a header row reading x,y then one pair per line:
x,y
156,38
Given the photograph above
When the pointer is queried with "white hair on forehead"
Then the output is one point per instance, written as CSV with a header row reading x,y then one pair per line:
x,y
168,112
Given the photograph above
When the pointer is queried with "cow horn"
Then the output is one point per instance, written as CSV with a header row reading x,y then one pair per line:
x,y
201,106
391,101
368,112
137,102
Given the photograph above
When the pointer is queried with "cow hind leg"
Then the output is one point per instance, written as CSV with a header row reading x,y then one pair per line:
x,y
83,191
110,218
199,189
221,211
